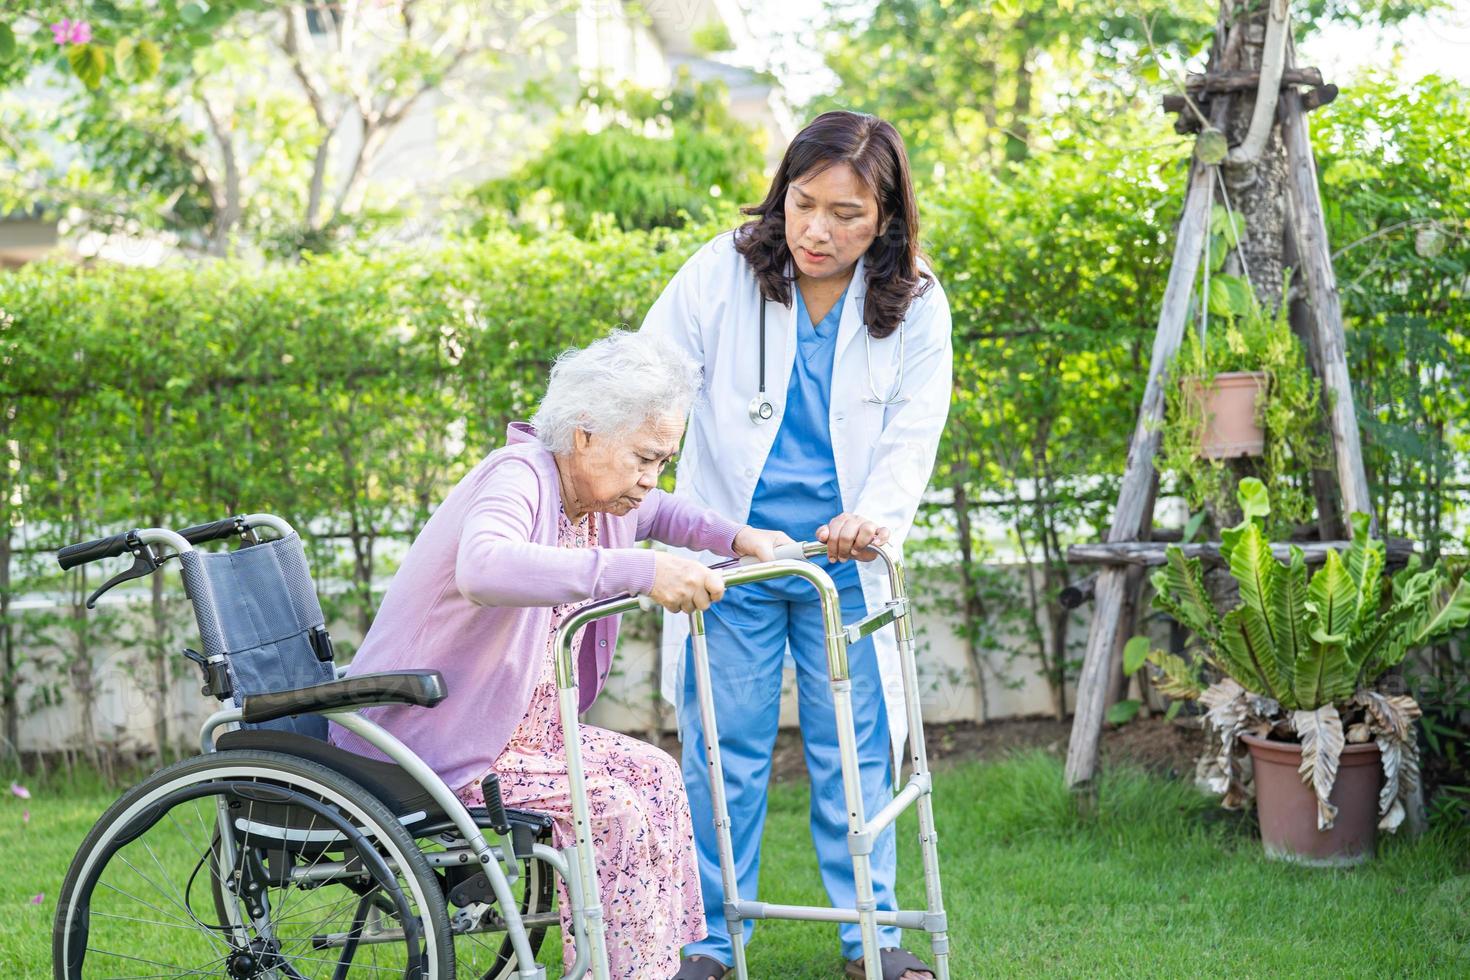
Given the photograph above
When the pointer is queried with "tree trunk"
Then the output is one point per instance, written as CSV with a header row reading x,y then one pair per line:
x,y
972,608
158,653
1256,189
9,682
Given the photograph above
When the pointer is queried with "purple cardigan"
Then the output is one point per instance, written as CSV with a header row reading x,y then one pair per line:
x,y
474,594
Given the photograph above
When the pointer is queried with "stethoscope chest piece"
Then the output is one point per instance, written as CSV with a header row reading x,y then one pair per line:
x,y
761,409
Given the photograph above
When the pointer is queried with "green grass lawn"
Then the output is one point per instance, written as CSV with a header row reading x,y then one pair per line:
x,y
1157,882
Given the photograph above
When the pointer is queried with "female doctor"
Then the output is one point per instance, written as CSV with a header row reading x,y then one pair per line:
x,y
825,343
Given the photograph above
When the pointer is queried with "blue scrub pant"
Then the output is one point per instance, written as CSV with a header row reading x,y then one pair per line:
x,y
746,634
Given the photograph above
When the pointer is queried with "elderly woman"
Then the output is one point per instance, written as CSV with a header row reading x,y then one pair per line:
x,y
541,526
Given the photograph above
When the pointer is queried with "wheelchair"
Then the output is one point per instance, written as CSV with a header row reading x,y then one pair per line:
x,y
276,855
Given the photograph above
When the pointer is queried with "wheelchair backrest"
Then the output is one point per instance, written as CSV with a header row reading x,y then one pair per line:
x,y
258,607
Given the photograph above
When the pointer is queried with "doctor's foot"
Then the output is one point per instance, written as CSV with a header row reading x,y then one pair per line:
x,y
701,968
895,964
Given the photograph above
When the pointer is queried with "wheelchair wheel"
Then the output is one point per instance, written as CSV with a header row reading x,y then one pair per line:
x,y
250,864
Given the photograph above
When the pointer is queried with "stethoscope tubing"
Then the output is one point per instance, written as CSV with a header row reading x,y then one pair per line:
x,y
761,409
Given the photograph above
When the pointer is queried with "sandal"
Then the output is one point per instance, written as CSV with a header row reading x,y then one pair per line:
x,y
895,963
701,968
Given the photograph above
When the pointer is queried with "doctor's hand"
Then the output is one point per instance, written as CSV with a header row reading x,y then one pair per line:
x,y
849,535
761,545
683,585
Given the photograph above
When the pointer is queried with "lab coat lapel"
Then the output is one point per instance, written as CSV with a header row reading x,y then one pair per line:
x,y
852,310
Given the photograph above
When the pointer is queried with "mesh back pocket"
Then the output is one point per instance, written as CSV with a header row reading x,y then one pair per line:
x,y
258,607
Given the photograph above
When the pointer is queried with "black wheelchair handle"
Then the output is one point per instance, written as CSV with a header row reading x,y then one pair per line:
x,y
214,530
79,554
88,551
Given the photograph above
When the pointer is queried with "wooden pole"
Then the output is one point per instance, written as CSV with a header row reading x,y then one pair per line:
x,y
1304,211
1136,491
1151,553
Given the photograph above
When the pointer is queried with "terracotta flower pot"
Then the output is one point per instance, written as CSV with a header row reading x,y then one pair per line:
x,y
1287,807
1229,405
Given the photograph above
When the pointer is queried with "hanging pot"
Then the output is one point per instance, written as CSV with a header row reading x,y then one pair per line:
x,y
1287,807
1228,403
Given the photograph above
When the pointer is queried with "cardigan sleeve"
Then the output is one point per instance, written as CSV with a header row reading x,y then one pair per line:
x,y
498,562
677,521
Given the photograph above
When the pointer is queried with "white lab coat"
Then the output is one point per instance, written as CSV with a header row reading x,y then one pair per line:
x,y
884,454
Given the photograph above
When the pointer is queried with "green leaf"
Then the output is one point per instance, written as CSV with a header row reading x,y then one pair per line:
x,y
1179,590
7,42
1442,616
1324,673
1289,613
88,62
137,60
1229,538
1193,526
193,12
1175,677
1333,599
1251,656
1364,560
1123,712
1255,570
1230,296
1223,222
1173,710
1135,652
1255,500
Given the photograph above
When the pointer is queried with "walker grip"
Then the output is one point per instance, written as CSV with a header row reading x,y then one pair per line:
x,y
793,551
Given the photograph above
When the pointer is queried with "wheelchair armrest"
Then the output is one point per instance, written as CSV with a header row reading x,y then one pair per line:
x,y
424,688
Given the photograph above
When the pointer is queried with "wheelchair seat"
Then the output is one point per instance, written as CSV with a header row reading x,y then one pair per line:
x,y
409,801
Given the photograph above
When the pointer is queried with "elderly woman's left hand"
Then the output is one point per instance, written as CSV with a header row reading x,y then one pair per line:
x,y
761,545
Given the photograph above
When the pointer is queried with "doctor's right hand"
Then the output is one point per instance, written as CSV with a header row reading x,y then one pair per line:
x,y
684,585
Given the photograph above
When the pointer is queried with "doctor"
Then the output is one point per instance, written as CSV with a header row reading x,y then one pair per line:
x,y
825,343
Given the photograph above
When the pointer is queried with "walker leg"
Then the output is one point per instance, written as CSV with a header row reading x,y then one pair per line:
x,y
852,787
581,819
919,757
728,880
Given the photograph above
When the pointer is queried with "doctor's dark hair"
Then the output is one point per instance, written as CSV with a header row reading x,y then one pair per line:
x,y
875,151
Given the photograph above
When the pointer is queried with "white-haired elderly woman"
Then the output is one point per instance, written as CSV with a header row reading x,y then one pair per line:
x,y
541,526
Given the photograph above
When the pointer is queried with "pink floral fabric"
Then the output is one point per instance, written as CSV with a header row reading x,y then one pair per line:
x,y
641,828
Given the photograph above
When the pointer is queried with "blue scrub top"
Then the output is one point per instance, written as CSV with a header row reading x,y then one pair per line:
x,y
798,490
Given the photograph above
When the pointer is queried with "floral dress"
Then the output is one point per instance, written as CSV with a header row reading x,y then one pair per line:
x,y
641,829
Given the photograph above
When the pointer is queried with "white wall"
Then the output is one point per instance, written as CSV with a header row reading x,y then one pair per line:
x,y
124,714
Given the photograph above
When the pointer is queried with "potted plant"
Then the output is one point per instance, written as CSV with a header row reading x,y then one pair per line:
x,y
1289,680
1243,389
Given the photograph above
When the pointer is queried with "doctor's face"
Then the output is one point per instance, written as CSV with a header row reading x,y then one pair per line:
x,y
831,219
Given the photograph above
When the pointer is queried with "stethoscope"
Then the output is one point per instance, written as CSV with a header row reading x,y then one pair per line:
x,y
761,409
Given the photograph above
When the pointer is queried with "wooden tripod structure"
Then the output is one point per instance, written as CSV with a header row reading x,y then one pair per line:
x,y
1119,581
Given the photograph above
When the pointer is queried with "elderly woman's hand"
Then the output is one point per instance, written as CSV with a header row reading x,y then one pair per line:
x,y
682,585
761,545
849,535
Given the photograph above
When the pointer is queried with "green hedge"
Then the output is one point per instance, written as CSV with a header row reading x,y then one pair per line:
x,y
349,392
345,393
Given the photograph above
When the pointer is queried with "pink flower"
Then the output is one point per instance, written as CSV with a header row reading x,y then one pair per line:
x,y
38,898
71,32
19,790
25,816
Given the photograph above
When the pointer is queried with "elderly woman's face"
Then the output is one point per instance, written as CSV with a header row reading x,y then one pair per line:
x,y
831,219
612,473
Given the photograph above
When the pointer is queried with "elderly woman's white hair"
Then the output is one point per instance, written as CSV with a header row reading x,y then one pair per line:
x,y
614,385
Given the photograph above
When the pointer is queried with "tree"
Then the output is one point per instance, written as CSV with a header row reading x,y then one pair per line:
x,y
643,158
963,80
266,128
